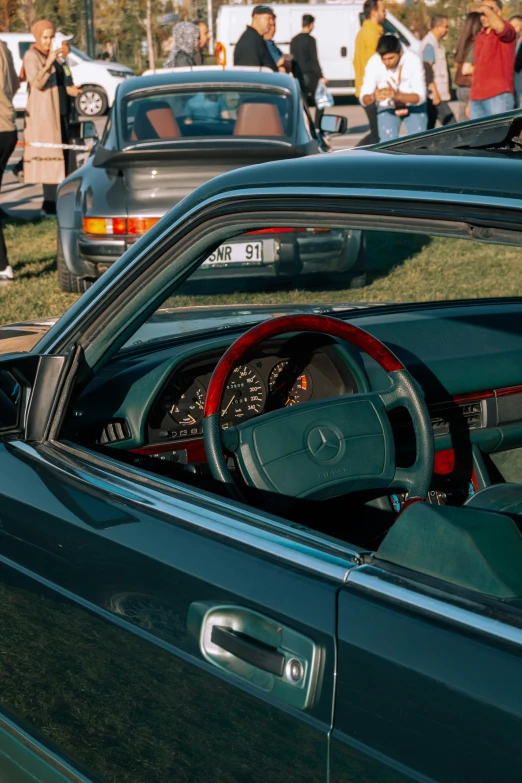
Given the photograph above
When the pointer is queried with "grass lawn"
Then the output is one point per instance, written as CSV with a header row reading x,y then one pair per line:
x,y
402,268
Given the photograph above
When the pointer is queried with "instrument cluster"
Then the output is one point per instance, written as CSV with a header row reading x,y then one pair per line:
x,y
257,386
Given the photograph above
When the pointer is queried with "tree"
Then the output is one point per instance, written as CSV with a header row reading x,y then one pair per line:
x,y
27,13
9,13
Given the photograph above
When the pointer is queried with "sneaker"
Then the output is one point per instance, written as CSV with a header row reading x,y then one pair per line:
x,y
7,273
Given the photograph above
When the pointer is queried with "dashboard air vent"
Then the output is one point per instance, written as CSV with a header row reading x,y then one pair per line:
x,y
472,413
447,417
113,431
457,416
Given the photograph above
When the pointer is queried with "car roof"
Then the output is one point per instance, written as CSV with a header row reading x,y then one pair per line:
x,y
389,173
196,76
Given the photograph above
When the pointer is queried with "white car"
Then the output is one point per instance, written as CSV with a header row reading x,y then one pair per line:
x,y
98,78
336,26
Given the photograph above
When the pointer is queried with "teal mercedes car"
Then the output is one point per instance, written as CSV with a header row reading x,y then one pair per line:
x,y
273,534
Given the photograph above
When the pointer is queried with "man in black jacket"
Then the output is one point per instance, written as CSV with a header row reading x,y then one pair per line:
x,y
251,48
304,49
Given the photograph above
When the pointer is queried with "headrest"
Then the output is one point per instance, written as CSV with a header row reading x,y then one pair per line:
x,y
258,119
155,120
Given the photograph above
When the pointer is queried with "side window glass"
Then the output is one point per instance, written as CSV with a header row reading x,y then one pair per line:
x,y
10,400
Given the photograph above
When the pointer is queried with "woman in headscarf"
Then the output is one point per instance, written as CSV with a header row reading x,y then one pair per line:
x,y
186,44
46,116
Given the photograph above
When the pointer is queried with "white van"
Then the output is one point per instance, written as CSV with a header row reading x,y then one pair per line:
x,y
98,78
336,25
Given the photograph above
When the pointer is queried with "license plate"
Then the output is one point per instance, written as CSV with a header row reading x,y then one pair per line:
x,y
250,253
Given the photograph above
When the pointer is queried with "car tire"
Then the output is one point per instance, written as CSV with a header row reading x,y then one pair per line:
x,y
68,282
91,102
354,277
359,281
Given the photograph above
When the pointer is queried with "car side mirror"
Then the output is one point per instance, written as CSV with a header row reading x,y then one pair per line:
x,y
89,131
333,123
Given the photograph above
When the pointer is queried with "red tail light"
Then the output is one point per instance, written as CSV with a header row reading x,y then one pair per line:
x,y
119,226
140,225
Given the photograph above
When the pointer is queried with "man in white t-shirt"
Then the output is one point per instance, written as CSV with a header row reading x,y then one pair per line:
x,y
394,80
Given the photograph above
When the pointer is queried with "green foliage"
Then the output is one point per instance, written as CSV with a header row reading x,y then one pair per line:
x,y
8,13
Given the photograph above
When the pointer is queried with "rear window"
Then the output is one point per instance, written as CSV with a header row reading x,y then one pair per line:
x,y
206,114
23,46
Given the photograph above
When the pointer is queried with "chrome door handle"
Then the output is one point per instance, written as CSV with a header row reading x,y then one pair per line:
x,y
258,650
254,652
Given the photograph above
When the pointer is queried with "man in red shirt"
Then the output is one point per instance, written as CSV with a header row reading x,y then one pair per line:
x,y
492,90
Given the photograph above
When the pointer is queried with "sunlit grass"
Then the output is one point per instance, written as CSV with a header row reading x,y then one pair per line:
x,y
401,267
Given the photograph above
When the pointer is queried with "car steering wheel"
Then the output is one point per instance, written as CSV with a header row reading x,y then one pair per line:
x,y
324,448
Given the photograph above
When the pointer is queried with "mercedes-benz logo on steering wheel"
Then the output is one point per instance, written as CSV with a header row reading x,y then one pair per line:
x,y
324,444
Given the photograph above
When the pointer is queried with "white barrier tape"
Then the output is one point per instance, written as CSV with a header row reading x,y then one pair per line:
x,y
49,146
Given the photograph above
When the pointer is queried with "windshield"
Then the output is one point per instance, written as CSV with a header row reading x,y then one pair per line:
x,y
200,113
264,273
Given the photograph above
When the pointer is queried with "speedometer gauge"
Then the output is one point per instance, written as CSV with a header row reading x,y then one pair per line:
x,y
187,409
244,394
288,385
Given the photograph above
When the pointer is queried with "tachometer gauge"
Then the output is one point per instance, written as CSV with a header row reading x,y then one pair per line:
x,y
288,385
187,408
244,394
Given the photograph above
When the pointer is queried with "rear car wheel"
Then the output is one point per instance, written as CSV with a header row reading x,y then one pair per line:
x,y
355,276
68,282
91,102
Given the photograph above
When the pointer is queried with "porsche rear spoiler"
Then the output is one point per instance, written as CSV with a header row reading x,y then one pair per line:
x,y
245,151
501,133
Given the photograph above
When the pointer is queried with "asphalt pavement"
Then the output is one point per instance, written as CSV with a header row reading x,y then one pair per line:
x,y
25,201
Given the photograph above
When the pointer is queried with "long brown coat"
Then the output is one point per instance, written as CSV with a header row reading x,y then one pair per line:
x,y
42,122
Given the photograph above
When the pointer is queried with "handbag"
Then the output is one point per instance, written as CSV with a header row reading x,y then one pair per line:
x,y
323,97
460,79
401,109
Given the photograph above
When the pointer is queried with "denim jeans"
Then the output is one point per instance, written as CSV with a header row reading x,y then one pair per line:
x,y
389,124
496,105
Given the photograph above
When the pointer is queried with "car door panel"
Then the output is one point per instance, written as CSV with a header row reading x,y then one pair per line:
x,y
95,591
420,696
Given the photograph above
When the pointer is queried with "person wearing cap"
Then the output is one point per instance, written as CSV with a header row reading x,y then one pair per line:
x,y
251,48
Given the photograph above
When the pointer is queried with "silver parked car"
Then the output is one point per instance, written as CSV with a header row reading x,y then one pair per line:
x,y
170,132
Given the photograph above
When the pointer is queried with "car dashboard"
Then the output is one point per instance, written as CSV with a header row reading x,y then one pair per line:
x,y
273,377
146,406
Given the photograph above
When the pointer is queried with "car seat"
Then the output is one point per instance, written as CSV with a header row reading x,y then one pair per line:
x,y
258,119
154,120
